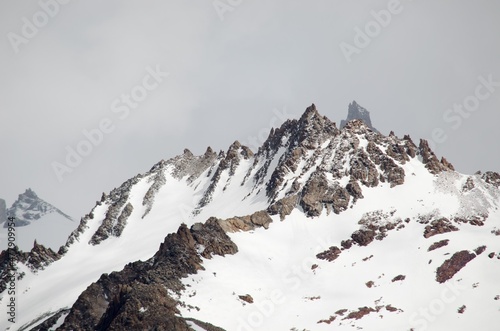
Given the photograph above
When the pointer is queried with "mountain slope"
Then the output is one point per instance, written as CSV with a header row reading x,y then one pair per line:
x,y
319,220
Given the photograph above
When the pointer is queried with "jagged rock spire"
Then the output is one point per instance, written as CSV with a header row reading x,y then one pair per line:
x,y
355,111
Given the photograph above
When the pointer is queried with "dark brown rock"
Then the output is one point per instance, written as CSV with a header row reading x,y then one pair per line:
x,y
439,226
247,298
480,250
431,161
362,311
438,244
453,265
363,237
330,254
137,298
399,278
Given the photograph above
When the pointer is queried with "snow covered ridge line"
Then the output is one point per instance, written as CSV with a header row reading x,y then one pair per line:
x,y
150,284
301,178
353,183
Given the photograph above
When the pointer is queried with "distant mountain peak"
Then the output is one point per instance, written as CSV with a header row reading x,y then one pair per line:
x,y
29,207
355,111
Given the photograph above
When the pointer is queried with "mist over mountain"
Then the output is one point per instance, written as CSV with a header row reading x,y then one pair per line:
x,y
322,227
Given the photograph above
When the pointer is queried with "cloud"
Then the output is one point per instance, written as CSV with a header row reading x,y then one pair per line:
x,y
226,78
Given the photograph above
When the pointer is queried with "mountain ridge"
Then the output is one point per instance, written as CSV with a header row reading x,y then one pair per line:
x,y
306,167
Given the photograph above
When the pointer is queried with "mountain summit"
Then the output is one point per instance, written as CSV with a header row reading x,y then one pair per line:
x,y
321,228
356,112
36,219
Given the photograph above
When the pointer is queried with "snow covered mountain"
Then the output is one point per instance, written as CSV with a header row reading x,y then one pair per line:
x,y
36,219
322,228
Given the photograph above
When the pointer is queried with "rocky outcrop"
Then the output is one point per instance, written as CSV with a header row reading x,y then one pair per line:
x,y
300,137
247,298
330,254
158,180
398,278
284,206
468,185
246,223
354,190
227,162
438,244
453,265
439,226
363,169
492,178
430,159
37,259
117,213
363,237
138,297
319,193
356,112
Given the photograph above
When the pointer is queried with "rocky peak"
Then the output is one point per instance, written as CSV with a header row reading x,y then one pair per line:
x,y
29,207
430,159
114,301
356,112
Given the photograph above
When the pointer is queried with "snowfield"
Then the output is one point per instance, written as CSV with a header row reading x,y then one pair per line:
x,y
276,281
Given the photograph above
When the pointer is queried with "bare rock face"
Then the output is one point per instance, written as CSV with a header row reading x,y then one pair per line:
x,y
363,169
318,193
438,244
354,190
469,185
247,298
118,212
356,112
453,265
137,298
284,206
439,226
363,237
492,178
431,161
41,256
246,223
330,254
37,259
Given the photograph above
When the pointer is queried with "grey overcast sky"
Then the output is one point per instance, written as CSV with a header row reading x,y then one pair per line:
x,y
235,68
